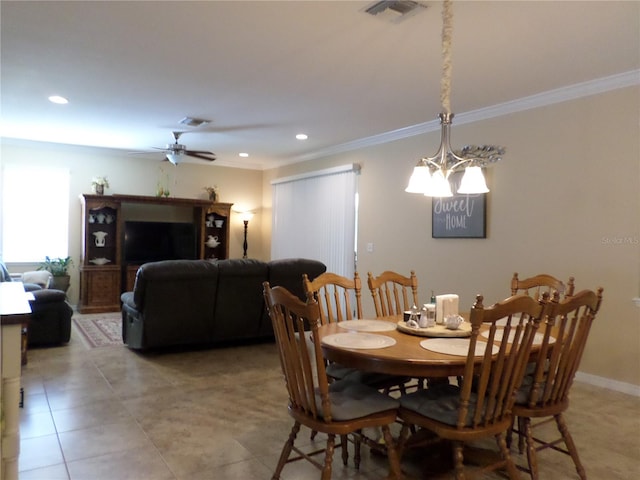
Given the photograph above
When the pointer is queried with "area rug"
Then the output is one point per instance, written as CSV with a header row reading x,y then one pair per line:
x,y
100,329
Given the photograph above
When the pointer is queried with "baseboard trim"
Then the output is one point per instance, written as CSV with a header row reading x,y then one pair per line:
x,y
609,384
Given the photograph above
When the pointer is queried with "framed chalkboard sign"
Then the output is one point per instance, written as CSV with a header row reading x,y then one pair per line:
x,y
460,216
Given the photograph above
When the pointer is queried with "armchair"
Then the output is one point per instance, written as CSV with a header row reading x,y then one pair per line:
x,y
50,321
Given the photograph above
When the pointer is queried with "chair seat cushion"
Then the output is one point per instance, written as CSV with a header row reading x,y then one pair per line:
x,y
337,371
375,380
440,403
372,379
524,392
351,400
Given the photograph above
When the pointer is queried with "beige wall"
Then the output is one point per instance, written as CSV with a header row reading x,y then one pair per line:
x,y
565,200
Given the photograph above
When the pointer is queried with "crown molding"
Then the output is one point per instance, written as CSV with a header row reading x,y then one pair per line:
x,y
550,97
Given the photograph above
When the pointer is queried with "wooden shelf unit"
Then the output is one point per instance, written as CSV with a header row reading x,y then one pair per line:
x,y
102,238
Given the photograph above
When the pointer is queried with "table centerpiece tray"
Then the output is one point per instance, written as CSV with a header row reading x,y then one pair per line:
x,y
464,330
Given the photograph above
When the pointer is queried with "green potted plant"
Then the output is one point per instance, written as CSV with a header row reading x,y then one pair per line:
x,y
59,268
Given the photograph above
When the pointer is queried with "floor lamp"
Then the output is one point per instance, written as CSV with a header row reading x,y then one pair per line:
x,y
245,217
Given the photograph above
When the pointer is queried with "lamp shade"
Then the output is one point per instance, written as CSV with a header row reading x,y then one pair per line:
x,y
246,216
440,186
473,181
420,180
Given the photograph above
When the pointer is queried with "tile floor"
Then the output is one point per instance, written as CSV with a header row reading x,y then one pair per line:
x,y
114,414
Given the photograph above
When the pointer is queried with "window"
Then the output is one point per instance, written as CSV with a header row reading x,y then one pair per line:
x,y
35,213
314,216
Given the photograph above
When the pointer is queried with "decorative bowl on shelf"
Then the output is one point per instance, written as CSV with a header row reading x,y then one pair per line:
x,y
99,261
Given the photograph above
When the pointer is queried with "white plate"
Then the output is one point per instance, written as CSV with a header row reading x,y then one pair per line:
x,y
537,339
364,325
363,341
454,346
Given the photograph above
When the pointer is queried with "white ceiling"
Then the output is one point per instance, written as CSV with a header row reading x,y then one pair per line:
x,y
263,71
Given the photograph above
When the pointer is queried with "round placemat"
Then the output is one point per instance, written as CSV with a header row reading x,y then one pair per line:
x,y
455,346
364,325
362,341
537,339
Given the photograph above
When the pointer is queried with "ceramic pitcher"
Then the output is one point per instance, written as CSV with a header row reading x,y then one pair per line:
x,y
100,238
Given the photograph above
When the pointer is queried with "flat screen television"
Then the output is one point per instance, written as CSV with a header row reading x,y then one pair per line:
x,y
154,241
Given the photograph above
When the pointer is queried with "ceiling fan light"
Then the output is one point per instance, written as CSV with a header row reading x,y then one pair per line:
x,y
174,157
420,180
473,181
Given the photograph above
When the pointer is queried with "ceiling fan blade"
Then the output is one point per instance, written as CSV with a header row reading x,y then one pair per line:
x,y
201,152
210,156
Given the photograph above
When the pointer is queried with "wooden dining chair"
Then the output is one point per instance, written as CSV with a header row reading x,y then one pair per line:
x,y
393,294
340,299
482,406
336,296
341,408
390,292
535,286
544,395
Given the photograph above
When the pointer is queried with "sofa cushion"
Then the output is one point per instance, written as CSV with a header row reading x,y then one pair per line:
x,y
50,320
39,277
240,304
49,295
176,299
287,273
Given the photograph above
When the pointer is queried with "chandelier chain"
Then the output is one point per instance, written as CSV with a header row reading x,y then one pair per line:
x,y
445,81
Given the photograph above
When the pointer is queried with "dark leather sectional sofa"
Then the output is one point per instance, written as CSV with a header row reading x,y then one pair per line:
x,y
199,302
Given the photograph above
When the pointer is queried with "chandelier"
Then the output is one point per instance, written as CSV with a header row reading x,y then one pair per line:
x,y
431,175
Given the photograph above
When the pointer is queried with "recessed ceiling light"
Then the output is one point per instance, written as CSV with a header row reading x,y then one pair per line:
x,y
243,154
58,99
302,136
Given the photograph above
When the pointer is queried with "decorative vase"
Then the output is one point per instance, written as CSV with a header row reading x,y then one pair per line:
x,y
100,189
213,196
100,238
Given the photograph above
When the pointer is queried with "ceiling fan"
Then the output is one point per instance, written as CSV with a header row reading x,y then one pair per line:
x,y
175,151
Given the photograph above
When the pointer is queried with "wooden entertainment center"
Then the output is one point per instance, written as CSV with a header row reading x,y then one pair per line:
x,y
104,273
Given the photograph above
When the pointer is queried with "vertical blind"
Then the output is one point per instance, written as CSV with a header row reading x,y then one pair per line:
x,y
314,216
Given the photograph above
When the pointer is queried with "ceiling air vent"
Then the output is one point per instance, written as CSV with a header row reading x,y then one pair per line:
x,y
394,10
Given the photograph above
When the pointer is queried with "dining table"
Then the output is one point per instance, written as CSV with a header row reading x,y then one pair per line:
x,y
387,345
396,351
